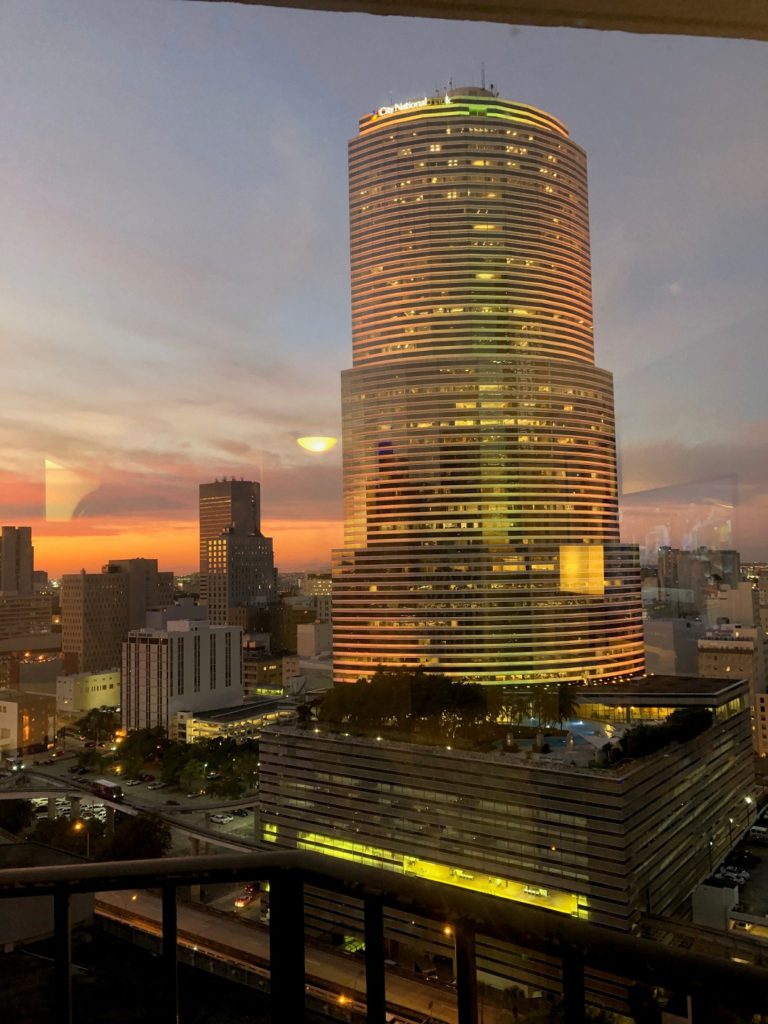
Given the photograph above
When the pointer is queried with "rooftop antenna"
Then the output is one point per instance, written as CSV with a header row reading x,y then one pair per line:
x,y
482,74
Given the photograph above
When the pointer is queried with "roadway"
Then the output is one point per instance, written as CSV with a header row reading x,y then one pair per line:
x,y
248,943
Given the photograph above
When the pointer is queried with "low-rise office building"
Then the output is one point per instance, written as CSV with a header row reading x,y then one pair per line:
x,y
244,722
267,674
25,615
565,831
82,692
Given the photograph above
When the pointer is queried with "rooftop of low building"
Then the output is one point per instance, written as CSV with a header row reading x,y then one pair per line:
x,y
668,691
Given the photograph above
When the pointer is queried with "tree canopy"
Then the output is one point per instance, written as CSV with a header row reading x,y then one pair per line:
x,y
99,724
136,838
434,706
405,699
641,740
15,815
223,766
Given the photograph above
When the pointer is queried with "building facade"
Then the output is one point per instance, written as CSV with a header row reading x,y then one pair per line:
x,y
236,561
480,496
147,587
27,722
267,674
94,619
188,666
25,615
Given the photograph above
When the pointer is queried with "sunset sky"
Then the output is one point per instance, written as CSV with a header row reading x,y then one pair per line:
x,y
174,299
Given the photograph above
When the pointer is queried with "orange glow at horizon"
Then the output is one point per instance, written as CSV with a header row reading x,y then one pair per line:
x,y
299,544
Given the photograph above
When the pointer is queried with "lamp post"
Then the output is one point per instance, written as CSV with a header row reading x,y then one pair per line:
x,y
80,826
730,833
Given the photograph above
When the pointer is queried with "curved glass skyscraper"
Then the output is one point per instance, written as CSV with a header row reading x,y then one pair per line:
x,y
481,513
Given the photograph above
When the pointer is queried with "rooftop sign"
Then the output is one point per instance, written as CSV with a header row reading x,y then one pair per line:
x,y
396,108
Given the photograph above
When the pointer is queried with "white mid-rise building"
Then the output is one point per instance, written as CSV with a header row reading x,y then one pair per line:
x,y
81,692
187,666
731,604
313,639
732,651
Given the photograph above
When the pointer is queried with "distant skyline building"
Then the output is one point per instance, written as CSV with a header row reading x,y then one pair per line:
x,y
98,610
685,576
17,561
237,568
480,489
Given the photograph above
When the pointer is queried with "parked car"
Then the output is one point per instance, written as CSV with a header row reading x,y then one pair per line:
x,y
146,777
240,812
221,819
157,785
132,782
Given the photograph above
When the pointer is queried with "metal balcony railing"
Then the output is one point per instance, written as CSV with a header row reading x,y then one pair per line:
x,y
578,944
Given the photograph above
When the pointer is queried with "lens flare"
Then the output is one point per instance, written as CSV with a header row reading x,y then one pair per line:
x,y
317,444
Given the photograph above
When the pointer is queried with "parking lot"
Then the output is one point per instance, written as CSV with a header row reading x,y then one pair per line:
x,y
753,894
232,819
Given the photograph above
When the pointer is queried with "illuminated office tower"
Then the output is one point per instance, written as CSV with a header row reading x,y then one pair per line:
x,y
236,561
481,512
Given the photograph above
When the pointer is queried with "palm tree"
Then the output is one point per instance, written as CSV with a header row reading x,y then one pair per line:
x,y
567,703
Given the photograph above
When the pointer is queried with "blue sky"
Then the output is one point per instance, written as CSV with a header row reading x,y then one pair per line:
x,y
174,299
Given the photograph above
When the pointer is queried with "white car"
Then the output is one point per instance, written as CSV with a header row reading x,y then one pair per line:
x,y
132,782
157,785
222,819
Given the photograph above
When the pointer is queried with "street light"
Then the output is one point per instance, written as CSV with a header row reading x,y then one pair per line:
x,y
80,826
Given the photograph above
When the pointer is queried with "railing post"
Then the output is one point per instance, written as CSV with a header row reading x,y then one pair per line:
x,y
286,948
62,957
170,956
375,987
574,1006
466,973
